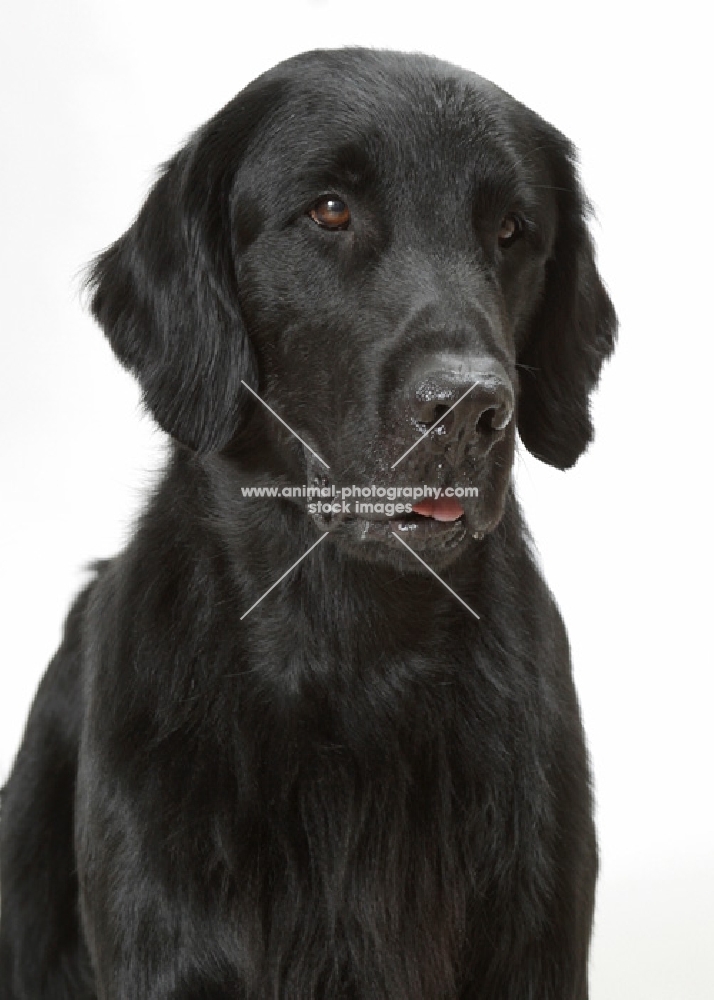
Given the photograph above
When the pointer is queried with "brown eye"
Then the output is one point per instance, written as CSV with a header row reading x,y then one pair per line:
x,y
510,230
330,213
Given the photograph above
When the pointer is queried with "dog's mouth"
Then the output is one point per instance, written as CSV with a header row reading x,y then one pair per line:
x,y
440,522
367,521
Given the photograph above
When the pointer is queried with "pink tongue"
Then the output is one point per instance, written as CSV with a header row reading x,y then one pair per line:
x,y
443,509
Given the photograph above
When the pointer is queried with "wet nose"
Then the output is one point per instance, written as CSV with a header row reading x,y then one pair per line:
x,y
466,407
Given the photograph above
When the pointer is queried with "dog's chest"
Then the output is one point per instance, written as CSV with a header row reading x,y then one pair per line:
x,y
388,819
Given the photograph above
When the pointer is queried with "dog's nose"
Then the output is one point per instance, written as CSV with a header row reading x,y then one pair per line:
x,y
464,405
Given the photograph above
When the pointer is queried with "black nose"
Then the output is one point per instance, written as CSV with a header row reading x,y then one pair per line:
x,y
468,408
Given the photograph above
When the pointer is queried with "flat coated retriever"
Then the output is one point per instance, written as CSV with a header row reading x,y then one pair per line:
x,y
359,790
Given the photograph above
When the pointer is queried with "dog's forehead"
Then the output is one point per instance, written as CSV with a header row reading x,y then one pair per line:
x,y
415,109
356,93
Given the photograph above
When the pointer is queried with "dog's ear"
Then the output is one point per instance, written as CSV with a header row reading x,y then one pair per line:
x,y
166,292
571,334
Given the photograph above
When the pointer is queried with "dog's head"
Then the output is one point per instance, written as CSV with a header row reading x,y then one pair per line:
x,y
377,244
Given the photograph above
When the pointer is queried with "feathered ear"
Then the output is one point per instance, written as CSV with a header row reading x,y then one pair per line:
x,y
166,293
571,335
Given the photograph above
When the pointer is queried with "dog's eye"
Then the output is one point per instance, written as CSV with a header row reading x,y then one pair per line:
x,y
510,230
330,213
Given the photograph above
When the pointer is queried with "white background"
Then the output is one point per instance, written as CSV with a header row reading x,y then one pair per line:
x,y
96,95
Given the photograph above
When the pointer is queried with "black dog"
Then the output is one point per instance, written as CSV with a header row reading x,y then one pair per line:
x,y
358,790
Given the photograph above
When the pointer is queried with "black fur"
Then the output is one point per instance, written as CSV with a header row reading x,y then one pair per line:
x,y
359,791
